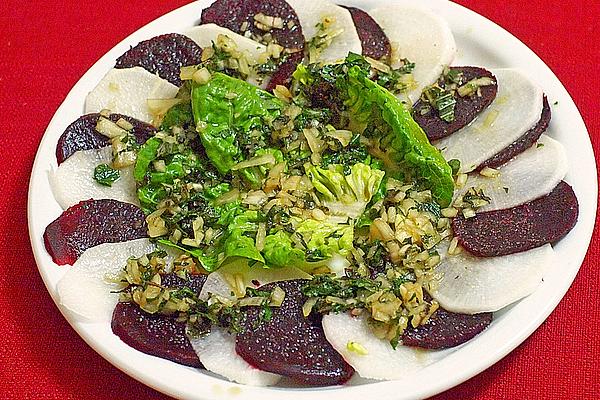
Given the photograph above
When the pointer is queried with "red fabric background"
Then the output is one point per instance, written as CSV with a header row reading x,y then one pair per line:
x,y
46,46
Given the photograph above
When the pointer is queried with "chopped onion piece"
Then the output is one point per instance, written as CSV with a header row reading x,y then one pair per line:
x,y
261,233
342,135
277,297
159,107
228,197
109,129
202,76
255,161
187,73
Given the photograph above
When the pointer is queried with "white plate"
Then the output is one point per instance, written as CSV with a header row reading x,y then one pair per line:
x,y
480,42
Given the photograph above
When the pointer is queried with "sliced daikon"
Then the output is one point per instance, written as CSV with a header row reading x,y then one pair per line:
x,y
530,175
73,180
516,109
420,36
233,278
216,351
311,13
205,35
126,91
86,290
472,285
371,357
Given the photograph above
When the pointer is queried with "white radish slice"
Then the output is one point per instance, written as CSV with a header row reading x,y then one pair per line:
x,y
472,285
516,109
530,175
204,35
237,276
420,36
381,361
312,12
85,289
73,180
126,91
216,351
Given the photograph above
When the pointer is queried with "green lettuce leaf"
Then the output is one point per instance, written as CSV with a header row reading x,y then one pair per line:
x,y
147,153
225,111
153,183
209,262
178,115
240,241
238,245
255,175
346,194
324,239
396,138
280,252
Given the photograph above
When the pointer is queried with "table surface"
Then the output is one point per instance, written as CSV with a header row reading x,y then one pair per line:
x,y
47,46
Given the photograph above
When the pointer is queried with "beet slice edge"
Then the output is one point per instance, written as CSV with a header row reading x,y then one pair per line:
x,y
521,228
158,335
238,16
374,41
290,344
446,329
466,110
81,134
523,143
163,55
90,223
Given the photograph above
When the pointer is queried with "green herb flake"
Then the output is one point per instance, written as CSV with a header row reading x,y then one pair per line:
x,y
455,165
445,105
105,175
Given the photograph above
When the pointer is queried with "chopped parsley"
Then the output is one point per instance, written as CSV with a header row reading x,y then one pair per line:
x,y
105,175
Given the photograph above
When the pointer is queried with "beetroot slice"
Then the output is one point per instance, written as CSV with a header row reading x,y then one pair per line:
x,y
446,329
163,55
154,334
523,143
82,135
90,223
521,228
375,43
466,109
283,75
232,14
290,344
238,14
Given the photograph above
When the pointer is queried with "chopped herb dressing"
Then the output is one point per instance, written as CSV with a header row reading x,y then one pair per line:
x,y
318,177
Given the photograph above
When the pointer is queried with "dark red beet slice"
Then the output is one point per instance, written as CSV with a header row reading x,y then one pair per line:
x,y
290,344
90,223
523,143
82,135
194,281
521,228
283,75
163,55
157,335
466,109
233,14
446,329
375,43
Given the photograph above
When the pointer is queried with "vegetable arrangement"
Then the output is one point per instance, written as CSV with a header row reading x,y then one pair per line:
x,y
294,207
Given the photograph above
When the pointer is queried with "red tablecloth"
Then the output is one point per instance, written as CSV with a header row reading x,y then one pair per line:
x,y
46,46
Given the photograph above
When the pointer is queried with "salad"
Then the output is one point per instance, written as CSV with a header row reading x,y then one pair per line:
x,y
306,191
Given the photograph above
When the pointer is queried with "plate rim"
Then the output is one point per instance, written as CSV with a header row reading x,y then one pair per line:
x,y
220,387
